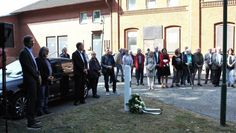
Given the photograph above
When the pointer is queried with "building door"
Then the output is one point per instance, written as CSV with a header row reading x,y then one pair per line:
x,y
97,45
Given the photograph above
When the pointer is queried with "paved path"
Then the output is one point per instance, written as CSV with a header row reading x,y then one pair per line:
x,y
204,100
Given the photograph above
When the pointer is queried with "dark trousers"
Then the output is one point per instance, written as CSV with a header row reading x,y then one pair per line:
x,y
158,77
79,88
208,69
199,70
42,99
184,75
111,74
139,75
177,76
93,84
119,68
216,73
31,103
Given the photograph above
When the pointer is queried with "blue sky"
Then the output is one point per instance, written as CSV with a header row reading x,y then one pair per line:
x,y
7,6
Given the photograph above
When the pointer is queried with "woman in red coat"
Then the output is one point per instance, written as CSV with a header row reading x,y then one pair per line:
x,y
164,67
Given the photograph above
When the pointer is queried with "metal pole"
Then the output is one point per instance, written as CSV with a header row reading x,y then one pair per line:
x,y
4,91
224,87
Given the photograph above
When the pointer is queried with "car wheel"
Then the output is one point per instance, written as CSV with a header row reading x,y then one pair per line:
x,y
19,106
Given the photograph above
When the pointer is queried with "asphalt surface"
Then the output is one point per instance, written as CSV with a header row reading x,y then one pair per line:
x,y
204,100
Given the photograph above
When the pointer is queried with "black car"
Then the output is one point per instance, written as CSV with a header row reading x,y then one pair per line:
x,y
61,87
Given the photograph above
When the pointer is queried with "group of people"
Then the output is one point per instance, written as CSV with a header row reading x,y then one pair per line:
x,y
37,72
186,65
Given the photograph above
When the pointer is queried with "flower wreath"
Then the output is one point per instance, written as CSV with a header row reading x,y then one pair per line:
x,y
136,104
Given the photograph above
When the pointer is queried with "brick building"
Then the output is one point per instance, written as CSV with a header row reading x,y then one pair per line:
x,y
115,24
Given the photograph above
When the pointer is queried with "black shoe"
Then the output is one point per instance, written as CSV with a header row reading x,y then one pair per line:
x,y
177,85
40,113
122,80
171,86
117,81
142,83
82,102
34,127
137,84
96,96
47,112
199,84
232,86
76,103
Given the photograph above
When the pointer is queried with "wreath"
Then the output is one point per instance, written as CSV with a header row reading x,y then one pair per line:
x,y
136,104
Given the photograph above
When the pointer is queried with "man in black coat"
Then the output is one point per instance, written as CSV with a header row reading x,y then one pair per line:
x,y
108,64
31,80
80,73
94,73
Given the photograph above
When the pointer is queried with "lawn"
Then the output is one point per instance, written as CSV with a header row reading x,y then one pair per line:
x,y
106,115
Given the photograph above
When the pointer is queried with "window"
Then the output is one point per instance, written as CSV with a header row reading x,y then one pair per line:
x,y
131,4
172,3
83,17
172,38
151,3
132,40
97,16
51,44
219,36
56,45
62,42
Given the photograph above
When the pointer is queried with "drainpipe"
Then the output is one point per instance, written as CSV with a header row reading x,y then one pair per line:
x,y
110,8
200,23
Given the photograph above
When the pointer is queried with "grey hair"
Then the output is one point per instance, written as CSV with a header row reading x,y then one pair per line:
x,y
42,52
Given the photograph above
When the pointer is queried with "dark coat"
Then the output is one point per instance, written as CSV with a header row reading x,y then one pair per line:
x,y
78,64
29,69
43,69
94,68
105,63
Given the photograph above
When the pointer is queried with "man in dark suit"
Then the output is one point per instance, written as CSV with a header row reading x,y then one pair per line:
x,y
80,73
157,60
31,80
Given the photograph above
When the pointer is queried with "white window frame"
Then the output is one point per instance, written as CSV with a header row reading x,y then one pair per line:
x,y
83,20
98,20
173,3
131,7
134,34
151,4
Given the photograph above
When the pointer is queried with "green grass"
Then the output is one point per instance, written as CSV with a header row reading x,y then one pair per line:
x,y
106,115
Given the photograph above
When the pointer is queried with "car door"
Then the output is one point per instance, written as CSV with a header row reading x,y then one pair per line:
x,y
54,86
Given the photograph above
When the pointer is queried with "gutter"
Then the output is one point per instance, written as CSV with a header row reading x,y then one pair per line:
x,y
109,6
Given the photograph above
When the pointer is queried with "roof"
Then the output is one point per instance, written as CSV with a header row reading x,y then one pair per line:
x,y
44,4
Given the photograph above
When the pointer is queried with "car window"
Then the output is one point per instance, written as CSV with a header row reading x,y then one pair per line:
x,y
56,67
